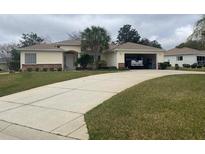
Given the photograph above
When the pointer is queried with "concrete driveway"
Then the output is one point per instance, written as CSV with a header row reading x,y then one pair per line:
x,y
57,111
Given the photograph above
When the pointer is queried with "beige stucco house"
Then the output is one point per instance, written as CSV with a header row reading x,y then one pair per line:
x,y
64,55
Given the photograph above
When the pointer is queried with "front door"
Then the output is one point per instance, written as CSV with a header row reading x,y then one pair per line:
x,y
69,60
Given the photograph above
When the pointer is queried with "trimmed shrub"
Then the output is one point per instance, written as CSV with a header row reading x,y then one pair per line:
x,y
176,66
186,65
45,69
51,69
29,69
101,64
163,66
37,69
84,60
194,65
168,64
112,68
199,66
20,70
0,69
59,69
108,68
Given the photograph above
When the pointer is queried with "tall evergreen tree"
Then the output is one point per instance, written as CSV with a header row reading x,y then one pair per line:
x,y
128,34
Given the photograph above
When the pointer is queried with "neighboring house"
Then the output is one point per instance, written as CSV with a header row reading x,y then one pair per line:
x,y
64,55
3,64
185,55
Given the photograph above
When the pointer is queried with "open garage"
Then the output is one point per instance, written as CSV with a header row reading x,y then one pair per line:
x,y
133,56
140,61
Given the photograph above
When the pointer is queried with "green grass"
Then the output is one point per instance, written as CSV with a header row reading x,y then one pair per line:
x,y
193,69
188,69
16,82
171,107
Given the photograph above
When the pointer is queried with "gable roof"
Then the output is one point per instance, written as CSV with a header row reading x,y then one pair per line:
x,y
183,51
55,46
133,46
44,46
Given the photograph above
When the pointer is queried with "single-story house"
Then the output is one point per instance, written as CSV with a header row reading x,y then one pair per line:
x,y
65,53
184,55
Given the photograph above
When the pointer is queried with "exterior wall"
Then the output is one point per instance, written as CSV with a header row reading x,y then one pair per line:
x,y
41,66
43,57
110,58
49,57
71,48
187,59
160,57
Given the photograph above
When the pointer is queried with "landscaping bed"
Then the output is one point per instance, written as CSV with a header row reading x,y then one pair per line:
x,y
171,107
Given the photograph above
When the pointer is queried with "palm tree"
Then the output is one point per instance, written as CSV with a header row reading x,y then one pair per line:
x,y
95,39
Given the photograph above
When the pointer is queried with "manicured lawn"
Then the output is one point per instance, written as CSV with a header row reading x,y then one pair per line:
x,y
193,69
189,69
12,83
171,107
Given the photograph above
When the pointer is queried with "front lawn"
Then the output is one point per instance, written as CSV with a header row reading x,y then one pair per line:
x,y
16,82
171,107
193,69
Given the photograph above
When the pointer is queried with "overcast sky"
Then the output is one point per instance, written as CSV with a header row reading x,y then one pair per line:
x,y
169,30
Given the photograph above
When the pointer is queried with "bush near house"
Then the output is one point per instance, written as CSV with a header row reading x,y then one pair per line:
x,y
59,69
176,67
29,69
51,69
37,69
186,65
194,65
84,60
199,66
163,65
101,64
45,69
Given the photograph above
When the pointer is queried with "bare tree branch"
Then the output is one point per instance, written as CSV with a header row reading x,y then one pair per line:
x,y
5,52
74,35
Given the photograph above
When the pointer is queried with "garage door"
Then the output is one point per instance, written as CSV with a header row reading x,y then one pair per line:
x,y
140,61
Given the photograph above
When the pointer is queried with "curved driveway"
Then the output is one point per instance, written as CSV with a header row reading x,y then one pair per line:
x,y
56,111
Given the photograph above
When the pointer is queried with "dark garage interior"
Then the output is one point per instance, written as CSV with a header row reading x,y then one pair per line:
x,y
140,61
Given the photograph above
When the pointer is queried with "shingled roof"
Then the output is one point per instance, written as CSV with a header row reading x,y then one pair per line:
x,y
55,46
183,51
133,46
43,46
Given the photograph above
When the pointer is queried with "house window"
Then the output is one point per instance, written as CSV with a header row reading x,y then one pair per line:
x,y
30,58
179,58
201,60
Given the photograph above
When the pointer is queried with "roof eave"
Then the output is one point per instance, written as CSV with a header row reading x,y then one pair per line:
x,y
41,50
149,50
64,44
